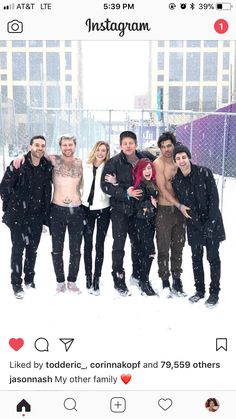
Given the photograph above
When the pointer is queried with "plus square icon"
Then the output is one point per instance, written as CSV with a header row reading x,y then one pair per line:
x,y
118,404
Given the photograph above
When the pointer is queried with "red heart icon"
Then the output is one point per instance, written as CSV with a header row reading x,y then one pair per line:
x,y
16,344
125,378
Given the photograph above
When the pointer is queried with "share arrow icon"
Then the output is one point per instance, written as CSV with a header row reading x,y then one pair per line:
x,y
67,343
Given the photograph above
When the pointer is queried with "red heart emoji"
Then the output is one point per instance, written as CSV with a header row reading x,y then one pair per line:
x,y
16,344
125,378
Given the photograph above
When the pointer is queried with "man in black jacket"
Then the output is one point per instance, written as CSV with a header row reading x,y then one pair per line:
x,y
123,197
195,187
26,195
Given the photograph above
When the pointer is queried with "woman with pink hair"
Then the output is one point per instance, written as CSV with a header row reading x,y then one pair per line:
x,y
144,223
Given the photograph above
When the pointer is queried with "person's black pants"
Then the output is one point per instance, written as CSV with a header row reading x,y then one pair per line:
x,y
213,258
121,226
25,236
145,234
102,219
62,218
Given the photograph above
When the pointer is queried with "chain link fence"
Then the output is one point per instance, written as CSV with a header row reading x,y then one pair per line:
x,y
211,137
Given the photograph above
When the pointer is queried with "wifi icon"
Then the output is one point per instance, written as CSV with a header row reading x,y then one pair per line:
x,y
8,6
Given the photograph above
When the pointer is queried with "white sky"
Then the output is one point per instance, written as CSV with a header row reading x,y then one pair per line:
x,y
113,73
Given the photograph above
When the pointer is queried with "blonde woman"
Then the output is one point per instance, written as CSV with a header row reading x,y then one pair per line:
x,y
97,210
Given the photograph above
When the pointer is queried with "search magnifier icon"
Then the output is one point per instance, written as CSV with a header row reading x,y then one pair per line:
x,y
70,404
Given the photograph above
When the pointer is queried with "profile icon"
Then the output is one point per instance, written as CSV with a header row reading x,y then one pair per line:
x,y
212,405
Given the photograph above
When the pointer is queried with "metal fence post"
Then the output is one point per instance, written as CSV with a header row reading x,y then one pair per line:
x,y
142,117
29,126
1,137
191,134
223,163
109,127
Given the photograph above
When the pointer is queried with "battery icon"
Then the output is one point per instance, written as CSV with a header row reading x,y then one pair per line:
x,y
224,6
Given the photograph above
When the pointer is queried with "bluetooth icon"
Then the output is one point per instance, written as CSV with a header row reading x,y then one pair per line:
x,y
192,6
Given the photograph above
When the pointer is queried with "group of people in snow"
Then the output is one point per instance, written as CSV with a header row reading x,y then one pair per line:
x,y
140,193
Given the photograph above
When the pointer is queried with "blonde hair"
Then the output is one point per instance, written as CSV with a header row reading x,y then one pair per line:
x,y
92,157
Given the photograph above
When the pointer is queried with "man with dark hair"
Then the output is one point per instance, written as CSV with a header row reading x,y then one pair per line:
x,y
128,134
26,195
37,137
170,220
66,211
165,136
195,187
123,197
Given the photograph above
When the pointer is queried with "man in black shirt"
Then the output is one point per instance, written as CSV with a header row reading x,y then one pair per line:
x,y
123,196
195,187
26,195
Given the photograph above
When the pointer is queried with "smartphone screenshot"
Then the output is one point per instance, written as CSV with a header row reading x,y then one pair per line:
x,y
117,190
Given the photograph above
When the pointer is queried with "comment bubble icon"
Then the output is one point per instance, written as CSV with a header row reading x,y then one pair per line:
x,y
41,345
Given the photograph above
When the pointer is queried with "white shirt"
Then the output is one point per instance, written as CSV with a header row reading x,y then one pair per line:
x,y
100,199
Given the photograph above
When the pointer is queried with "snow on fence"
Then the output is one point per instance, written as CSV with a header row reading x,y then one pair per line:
x,y
210,136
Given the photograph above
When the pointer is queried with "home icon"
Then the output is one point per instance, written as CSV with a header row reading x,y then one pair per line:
x,y
23,405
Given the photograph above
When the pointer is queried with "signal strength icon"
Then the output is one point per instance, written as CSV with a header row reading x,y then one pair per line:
x,y
8,6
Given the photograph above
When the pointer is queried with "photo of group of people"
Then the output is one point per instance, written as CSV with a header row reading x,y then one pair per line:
x,y
138,192
117,200
111,203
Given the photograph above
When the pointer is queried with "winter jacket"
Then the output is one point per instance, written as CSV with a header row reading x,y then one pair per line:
x,y
16,190
145,209
198,191
123,169
100,199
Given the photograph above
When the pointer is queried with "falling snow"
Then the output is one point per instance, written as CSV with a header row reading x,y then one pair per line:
x,y
127,322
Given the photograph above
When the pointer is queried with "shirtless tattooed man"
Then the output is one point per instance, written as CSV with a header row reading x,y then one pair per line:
x,y
66,212
170,219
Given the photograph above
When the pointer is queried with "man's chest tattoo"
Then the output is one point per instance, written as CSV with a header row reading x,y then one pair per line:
x,y
73,170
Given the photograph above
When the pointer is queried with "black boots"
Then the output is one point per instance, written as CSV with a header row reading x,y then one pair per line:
x,y
165,283
92,284
212,300
89,282
196,297
96,290
18,291
166,289
146,288
119,283
144,284
177,287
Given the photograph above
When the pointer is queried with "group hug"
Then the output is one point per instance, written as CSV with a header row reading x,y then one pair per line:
x,y
145,197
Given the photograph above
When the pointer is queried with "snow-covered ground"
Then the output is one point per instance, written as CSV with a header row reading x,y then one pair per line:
x,y
113,327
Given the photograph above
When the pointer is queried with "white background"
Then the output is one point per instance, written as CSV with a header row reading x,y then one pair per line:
x,y
69,18
110,327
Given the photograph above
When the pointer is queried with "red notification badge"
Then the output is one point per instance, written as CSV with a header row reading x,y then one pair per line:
x,y
221,26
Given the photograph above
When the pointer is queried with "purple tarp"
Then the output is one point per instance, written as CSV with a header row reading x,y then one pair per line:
x,y
208,140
